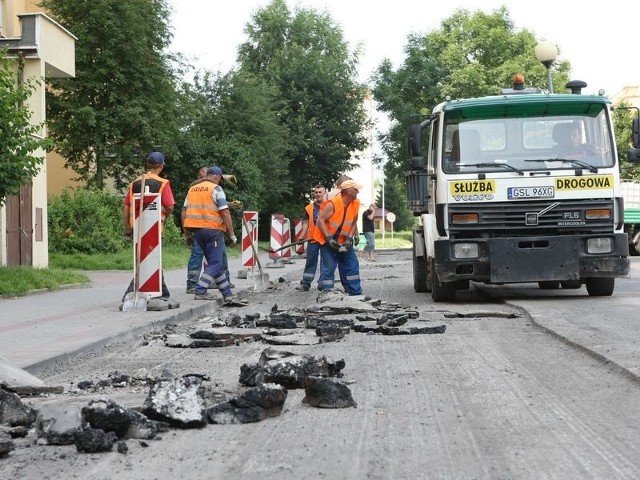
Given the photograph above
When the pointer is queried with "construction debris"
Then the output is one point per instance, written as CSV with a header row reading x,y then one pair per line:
x,y
324,392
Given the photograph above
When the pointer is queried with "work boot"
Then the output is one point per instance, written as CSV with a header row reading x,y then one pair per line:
x,y
191,290
233,301
302,288
205,296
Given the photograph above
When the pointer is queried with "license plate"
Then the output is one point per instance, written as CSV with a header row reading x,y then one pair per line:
x,y
530,192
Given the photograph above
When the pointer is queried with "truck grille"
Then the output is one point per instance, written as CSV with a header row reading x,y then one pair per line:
x,y
510,218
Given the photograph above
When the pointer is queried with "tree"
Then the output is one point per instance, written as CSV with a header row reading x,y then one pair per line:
x,y
123,100
306,58
234,123
623,116
19,139
472,54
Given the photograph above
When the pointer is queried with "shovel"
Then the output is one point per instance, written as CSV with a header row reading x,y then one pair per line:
x,y
300,242
134,301
261,282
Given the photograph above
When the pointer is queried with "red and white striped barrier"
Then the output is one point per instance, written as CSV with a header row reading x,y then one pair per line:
x,y
150,243
280,236
248,259
297,235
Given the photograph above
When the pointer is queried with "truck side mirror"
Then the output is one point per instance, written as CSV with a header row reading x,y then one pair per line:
x,y
634,155
635,132
415,147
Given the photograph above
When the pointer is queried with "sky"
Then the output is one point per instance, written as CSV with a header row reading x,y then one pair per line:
x,y
599,40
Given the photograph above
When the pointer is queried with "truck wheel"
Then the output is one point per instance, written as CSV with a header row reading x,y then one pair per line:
x,y
600,287
549,285
571,284
634,249
419,274
441,292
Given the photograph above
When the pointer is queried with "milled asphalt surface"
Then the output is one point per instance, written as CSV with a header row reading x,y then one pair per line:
x,y
41,327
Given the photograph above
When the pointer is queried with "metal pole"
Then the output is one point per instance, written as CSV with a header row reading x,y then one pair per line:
x,y
549,79
384,226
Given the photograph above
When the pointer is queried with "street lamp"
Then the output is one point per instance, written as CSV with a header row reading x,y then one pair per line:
x,y
546,53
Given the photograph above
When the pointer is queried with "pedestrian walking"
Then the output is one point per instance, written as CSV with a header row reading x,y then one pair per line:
x,y
311,212
196,259
206,213
368,228
336,226
154,183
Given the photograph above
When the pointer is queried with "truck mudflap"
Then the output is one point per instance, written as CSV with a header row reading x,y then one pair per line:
x,y
531,259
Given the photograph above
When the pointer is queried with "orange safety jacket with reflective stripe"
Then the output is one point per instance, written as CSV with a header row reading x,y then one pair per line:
x,y
201,210
153,184
349,214
311,229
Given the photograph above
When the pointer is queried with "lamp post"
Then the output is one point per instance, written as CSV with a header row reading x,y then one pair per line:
x,y
546,53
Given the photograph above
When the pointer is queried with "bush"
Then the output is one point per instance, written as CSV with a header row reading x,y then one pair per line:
x,y
85,221
89,222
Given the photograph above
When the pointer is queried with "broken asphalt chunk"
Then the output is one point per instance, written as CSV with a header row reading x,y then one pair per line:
x,y
256,404
91,440
324,392
177,401
287,369
107,415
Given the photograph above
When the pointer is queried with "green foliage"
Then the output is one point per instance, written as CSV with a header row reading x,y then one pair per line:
x,y
123,100
235,124
623,116
20,280
471,54
305,57
85,221
18,138
173,256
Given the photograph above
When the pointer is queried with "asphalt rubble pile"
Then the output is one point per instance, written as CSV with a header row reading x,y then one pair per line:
x,y
189,401
332,317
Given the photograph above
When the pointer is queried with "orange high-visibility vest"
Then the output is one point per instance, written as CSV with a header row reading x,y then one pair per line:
x,y
334,222
155,184
201,210
311,230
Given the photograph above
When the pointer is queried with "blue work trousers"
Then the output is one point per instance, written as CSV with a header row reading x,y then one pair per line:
x,y
194,267
310,266
211,241
348,267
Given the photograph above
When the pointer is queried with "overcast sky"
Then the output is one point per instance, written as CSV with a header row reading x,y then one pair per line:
x,y
598,38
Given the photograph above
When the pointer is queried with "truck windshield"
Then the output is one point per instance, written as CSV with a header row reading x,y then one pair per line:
x,y
527,143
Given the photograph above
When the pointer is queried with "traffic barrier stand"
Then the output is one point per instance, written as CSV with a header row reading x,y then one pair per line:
x,y
287,253
297,236
150,243
280,236
248,258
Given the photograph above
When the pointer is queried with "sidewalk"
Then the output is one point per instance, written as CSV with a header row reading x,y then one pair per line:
x,y
38,328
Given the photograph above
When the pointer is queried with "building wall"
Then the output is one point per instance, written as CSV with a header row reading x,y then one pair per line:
x,y
630,94
49,52
364,172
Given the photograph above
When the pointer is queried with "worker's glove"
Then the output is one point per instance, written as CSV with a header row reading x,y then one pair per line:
x,y
235,204
356,239
348,243
333,243
233,239
127,234
230,179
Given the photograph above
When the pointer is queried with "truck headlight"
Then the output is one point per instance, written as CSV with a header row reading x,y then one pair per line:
x,y
599,245
465,250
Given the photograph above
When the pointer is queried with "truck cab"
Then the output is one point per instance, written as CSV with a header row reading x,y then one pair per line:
x,y
515,188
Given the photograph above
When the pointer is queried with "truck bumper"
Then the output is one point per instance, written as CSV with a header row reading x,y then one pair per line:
x,y
531,259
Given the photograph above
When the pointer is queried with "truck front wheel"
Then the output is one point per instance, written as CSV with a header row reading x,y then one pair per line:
x,y
419,274
441,292
600,287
